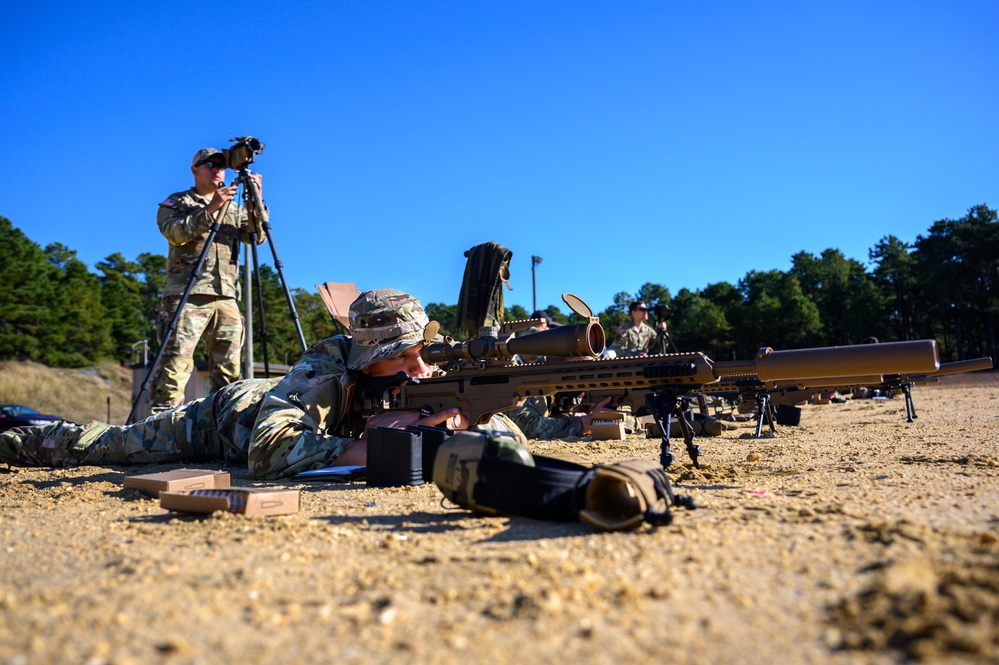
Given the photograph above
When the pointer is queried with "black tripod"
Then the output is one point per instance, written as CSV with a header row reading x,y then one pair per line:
x,y
662,340
255,214
254,210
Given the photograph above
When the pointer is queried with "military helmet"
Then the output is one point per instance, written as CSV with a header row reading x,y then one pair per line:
x,y
383,324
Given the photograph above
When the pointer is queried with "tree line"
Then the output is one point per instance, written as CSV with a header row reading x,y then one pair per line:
x,y
942,286
55,311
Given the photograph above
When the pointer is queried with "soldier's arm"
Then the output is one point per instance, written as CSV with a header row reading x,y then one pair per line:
x,y
288,435
181,223
533,420
650,339
244,225
625,342
287,440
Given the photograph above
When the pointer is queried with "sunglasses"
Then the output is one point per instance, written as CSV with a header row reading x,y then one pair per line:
x,y
213,165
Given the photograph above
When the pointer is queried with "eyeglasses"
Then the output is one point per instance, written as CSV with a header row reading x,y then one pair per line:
x,y
213,165
642,309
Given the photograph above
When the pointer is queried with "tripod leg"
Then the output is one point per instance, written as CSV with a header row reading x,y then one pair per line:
x,y
260,304
702,404
287,292
771,417
254,208
670,341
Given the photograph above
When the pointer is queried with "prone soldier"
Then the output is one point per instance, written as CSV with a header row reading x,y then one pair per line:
x,y
310,418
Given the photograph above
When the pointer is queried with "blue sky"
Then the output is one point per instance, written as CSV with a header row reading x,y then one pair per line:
x,y
678,143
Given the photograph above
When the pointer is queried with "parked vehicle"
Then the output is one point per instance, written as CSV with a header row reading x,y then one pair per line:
x,y
17,415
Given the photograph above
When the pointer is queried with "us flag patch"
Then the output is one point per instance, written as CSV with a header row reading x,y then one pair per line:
x,y
169,203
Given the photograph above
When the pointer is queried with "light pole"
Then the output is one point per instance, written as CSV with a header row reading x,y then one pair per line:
x,y
535,260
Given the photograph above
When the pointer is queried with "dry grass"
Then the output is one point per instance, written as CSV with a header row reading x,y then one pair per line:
x,y
80,395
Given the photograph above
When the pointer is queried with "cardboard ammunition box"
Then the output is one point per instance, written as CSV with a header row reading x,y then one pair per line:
x,y
608,414
607,425
177,480
249,501
607,430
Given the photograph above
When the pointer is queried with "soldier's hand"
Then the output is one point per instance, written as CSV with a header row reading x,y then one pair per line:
x,y
588,418
402,419
221,196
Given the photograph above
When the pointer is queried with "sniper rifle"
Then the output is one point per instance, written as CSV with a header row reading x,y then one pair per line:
x,y
486,381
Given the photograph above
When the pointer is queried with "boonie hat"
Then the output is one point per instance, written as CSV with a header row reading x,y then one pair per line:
x,y
383,324
205,154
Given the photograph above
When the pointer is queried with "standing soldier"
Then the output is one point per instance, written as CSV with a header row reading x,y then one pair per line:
x,y
212,310
634,339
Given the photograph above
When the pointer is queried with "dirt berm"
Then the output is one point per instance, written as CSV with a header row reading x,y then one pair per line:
x,y
854,538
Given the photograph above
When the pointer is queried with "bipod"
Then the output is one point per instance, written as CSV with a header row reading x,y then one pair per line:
x,y
664,405
254,210
897,383
906,388
172,327
910,408
764,410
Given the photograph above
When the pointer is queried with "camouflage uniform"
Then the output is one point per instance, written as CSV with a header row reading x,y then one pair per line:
x,y
214,427
631,340
533,420
280,426
212,307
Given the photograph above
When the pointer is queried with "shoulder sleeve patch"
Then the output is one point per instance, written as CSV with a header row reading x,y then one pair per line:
x,y
169,203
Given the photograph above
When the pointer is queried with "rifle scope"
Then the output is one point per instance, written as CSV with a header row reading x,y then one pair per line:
x,y
580,340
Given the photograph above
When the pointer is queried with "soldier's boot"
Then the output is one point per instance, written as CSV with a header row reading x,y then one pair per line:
x,y
712,426
60,444
10,447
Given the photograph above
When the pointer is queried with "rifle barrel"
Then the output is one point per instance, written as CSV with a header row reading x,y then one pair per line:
x,y
960,366
913,357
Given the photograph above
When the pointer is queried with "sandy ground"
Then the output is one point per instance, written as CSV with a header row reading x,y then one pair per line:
x,y
853,538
